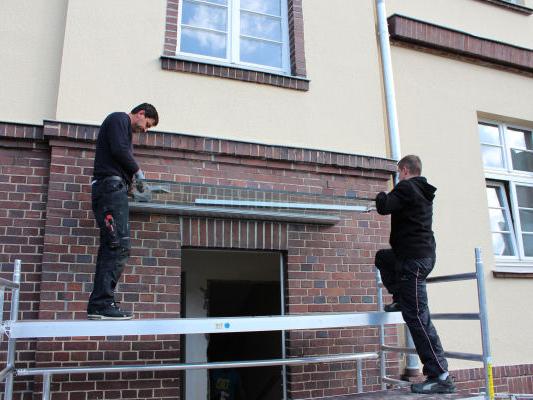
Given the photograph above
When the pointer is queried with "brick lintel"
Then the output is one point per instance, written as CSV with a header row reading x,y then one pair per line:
x,y
222,149
425,36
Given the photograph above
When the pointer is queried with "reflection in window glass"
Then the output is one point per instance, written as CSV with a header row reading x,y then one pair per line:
x,y
492,156
525,196
489,134
528,245
522,160
260,52
203,42
204,16
272,7
492,197
500,225
260,26
518,139
526,220
502,245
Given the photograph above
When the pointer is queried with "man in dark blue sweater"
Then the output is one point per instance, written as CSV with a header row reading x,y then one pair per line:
x,y
115,170
404,268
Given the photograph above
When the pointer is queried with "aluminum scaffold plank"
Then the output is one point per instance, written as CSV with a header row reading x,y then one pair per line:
x,y
57,328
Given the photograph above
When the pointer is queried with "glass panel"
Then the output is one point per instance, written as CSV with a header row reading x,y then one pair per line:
x,y
519,139
204,16
272,7
497,221
525,196
263,53
501,244
522,160
202,42
492,197
260,26
221,2
492,156
489,134
528,245
526,220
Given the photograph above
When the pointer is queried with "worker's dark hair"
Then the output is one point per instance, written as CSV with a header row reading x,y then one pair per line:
x,y
149,111
412,163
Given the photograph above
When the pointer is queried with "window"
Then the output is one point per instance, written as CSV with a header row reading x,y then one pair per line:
x,y
507,153
251,33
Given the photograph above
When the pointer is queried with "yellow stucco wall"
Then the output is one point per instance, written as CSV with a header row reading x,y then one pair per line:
x,y
115,66
31,39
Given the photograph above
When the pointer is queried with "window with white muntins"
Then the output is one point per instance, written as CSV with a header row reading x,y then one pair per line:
x,y
251,33
508,162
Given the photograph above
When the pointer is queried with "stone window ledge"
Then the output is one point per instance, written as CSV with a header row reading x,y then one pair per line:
x,y
513,271
234,72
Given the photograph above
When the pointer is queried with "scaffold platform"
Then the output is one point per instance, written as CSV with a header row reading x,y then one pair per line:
x,y
405,394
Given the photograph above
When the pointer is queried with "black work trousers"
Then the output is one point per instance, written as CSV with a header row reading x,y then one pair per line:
x,y
405,279
111,211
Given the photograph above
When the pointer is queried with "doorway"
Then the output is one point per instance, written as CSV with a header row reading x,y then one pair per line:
x,y
227,283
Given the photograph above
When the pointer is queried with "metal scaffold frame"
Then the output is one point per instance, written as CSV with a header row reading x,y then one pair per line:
x,y
15,329
485,357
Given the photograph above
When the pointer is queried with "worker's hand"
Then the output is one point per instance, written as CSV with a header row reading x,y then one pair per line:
x,y
139,181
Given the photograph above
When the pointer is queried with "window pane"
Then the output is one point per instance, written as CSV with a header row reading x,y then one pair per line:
x,y
202,42
260,26
525,196
221,2
259,52
528,245
204,16
522,160
489,134
492,157
501,244
519,139
497,221
272,7
526,220
492,197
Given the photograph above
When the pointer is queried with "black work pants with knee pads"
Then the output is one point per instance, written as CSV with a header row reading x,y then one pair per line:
x,y
111,211
405,279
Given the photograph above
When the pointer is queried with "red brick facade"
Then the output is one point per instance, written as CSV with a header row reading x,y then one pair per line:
x,y
47,222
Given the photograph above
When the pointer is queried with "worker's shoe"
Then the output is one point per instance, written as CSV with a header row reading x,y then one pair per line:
x,y
392,307
110,312
434,385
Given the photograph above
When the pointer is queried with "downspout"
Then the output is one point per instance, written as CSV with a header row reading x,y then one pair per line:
x,y
412,366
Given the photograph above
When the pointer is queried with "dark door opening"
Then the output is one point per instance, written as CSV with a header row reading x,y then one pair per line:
x,y
244,298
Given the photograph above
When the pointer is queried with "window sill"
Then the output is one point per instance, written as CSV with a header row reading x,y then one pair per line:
x,y
510,6
232,72
513,270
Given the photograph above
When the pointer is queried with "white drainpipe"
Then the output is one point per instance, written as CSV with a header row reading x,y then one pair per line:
x,y
412,366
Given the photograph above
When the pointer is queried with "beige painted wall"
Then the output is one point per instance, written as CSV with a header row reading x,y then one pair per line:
x,y
440,124
31,39
111,66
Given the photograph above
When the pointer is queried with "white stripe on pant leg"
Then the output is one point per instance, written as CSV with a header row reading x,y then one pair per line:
x,y
421,324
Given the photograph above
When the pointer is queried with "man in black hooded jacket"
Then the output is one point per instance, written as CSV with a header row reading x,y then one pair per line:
x,y
404,268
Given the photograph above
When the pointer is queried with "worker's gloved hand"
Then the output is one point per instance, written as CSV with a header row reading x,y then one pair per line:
x,y
139,181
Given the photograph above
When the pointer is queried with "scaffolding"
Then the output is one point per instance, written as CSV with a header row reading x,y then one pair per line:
x,y
15,330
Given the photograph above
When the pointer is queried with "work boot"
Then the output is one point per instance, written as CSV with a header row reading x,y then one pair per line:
x,y
434,385
110,312
392,307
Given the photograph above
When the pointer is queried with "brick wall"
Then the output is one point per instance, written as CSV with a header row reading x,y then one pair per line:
x,y
24,165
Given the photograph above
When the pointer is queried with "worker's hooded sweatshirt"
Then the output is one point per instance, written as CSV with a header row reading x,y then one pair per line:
x,y
410,204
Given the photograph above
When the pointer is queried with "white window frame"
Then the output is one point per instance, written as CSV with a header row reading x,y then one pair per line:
x,y
233,40
497,177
